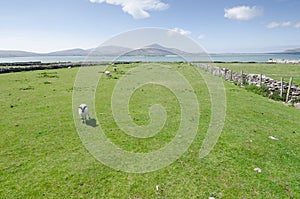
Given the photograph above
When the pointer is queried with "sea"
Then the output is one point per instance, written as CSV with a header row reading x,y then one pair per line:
x,y
234,57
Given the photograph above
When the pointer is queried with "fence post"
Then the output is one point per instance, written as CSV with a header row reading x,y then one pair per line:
x,y
260,79
242,76
281,87
289,89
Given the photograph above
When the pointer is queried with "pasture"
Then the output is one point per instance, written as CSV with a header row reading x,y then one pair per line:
x,y
41,154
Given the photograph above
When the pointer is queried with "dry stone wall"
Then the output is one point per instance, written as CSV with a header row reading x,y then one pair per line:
x,y
29,66
258,80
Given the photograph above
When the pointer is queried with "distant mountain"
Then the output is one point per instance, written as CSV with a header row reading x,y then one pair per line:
x,y
151,50
100,51
157,50
171,51
109,50
16,53
70,52
294,50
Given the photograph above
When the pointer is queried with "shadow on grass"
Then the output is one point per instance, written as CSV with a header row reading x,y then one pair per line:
x,y
92,123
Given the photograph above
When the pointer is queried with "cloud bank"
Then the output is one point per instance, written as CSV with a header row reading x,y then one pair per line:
x,y
136,8
243,12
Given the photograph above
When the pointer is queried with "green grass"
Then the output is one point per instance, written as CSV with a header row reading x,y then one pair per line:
x,y
41,155
275,71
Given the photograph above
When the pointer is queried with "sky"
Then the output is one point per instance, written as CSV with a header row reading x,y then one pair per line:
x,y
219,26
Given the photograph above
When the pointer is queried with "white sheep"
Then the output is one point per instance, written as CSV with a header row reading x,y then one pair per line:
x,y
115,69
83,112
107,73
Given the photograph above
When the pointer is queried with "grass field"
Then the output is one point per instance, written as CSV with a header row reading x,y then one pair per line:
x,y
41,154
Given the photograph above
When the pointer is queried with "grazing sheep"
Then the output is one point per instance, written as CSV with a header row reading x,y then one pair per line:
x,y
107,73
115,69
83,112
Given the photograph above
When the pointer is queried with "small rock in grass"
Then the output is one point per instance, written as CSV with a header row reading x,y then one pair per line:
x,y
297,105
273,138
258,170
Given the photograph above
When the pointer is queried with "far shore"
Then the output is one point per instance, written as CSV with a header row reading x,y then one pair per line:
x,y
29,66
38,65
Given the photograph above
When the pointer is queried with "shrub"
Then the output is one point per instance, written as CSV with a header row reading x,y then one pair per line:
x,y
245,82
276,96
262,90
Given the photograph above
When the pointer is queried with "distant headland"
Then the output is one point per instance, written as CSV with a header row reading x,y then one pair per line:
x,y
151,50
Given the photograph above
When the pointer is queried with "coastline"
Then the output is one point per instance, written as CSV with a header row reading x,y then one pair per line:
x,y
225,57
8,67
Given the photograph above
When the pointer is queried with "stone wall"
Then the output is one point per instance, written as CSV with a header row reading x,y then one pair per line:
x,y
255,79
29,66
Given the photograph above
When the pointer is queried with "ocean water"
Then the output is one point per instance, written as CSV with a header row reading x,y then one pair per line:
x,y
259,57
251,57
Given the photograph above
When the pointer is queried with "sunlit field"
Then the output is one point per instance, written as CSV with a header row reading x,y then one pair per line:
x,y
41,154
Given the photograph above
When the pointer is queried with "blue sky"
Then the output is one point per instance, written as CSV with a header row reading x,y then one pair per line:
x,y
217,25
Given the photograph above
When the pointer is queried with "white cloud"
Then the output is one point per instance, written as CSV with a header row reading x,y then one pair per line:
x,y
180,31
243,12
202,36
273,25
297,25
137,8
285,24
279,24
